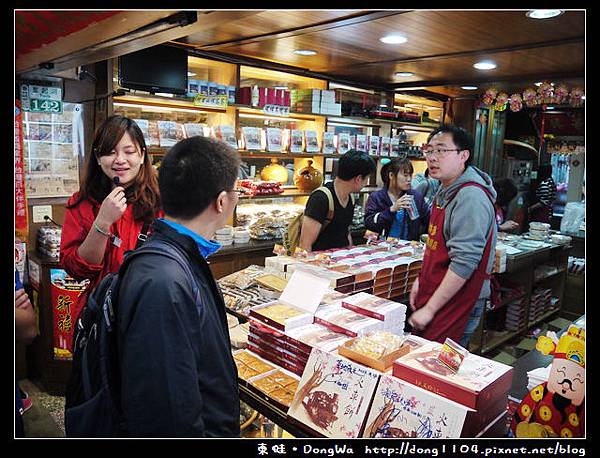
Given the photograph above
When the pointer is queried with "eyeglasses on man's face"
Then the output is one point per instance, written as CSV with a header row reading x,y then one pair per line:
x,y
430,151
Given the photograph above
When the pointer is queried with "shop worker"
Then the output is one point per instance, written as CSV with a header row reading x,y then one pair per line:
x,y
321,230
103,219
178,376
388,210
448,297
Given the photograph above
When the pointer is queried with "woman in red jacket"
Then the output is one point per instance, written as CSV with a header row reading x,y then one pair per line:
x,y
117,201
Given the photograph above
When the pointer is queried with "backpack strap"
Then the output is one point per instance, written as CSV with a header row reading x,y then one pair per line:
x,y
331,205
143,234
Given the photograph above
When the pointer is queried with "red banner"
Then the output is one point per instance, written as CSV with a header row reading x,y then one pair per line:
x,y
64,291
21,227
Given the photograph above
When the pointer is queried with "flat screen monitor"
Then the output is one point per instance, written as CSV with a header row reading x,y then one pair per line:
x,y
159,68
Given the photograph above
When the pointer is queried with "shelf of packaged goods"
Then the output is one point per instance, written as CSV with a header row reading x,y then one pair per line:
x,y
170,103
546,276
258,112
282,155
295,192
377,121
508,300
497,341
544,317
240,316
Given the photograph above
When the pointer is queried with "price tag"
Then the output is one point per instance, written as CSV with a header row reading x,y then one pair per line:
x,y
210,101
277,110
41,99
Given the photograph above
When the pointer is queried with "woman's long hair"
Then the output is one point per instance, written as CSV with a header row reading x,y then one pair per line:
x,y
143,193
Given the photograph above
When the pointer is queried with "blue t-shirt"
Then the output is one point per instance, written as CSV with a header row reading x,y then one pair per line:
x,y
18,283
399,227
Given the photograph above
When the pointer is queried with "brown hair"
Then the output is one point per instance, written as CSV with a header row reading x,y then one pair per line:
x,y
143,192
393,167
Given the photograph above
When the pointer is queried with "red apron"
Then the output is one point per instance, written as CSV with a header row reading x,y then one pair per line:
x,y
451,319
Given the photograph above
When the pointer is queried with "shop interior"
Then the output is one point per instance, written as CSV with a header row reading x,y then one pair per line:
x,y
289,89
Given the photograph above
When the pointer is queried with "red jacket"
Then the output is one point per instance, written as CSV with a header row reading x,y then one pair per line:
x,y
77,225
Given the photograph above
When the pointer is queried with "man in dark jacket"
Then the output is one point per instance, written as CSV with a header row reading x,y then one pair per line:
x,y
179,378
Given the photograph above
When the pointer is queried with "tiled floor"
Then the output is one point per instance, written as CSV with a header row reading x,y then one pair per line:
x,y
46,416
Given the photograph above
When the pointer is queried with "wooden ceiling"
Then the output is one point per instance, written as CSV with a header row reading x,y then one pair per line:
x,y
441,49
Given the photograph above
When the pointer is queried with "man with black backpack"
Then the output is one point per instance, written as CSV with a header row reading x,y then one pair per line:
x,y
167,369
322,228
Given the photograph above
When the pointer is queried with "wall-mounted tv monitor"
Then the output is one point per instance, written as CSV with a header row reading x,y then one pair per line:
x,y
160,68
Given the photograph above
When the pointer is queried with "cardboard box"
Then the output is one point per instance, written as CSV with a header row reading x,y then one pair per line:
x,y
297,304
479,383
312,336
337,408
392,314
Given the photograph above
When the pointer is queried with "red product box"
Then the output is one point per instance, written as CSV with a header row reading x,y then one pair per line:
x,y
262,96
286,98
245,95
476,421
271,96
345,289
479,383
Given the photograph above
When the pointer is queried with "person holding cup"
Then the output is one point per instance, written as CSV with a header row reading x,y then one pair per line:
x,y
396,210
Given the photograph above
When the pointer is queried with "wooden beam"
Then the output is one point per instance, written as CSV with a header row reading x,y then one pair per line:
x,y
107,29
351,19
133,41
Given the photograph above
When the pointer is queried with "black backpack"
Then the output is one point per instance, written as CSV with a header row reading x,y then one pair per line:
x,y
92,399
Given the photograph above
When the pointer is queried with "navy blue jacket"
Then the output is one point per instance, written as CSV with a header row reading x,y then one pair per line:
x,y
178,375
379,218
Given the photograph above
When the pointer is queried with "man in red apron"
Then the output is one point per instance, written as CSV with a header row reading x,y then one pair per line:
x,y
448,297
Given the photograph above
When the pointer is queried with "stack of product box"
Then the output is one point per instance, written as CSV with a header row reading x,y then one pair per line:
x,y
306,100
480,384
328,104
541,302
516,315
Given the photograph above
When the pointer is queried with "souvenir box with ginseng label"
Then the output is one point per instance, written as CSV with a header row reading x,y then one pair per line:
x,y
479,382
333,396
297,304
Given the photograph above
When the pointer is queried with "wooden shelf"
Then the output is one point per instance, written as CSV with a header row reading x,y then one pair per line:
x,y
545,277
293,116
497,341
164,102
544,317
378,121
294,192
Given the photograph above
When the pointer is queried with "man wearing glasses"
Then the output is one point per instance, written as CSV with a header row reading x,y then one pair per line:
x,y
448,297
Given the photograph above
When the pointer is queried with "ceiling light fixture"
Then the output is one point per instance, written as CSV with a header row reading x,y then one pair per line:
x,y
305,52
485,65
404,74
543,14
350,88
393,39
469,88
191,74
415,88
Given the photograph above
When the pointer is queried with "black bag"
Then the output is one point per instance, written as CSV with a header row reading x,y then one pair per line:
x,y
92,404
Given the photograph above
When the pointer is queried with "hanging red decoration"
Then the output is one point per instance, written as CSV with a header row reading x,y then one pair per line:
x,y
516,102
501,101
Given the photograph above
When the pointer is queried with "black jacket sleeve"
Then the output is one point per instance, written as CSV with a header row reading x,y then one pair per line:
x,y
157,344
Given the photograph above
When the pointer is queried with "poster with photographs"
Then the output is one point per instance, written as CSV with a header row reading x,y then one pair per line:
x,y
297,141
312,144
52,147
343,142
274,140
328,143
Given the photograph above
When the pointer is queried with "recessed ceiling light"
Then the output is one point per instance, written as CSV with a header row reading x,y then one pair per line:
x,y
191,74
469,88
485,65
549,108
393,39
543,14
305,52
404,74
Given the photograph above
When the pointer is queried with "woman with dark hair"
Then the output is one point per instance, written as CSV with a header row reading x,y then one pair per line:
x,y
543,195
387,210
505,192
117,200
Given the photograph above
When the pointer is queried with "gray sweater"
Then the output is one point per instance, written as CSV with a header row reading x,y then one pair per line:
x,y
469,217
